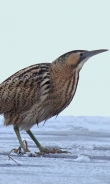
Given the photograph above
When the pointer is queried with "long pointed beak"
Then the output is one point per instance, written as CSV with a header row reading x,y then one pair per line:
x,y
89,54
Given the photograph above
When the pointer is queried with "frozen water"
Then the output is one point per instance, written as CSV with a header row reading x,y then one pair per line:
x,y
12,161
82,158
87,138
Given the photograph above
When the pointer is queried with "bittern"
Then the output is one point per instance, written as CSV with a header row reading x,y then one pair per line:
x,y
41,91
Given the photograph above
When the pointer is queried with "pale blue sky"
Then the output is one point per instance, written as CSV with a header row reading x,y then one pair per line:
x,y
33,31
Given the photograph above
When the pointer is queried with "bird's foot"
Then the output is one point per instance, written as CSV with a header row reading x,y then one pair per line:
x,y
53,150
19,149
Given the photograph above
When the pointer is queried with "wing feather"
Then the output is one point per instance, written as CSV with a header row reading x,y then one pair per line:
x,y
23,89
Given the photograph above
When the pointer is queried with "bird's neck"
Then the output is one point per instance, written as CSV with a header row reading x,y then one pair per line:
x,y
65,84
61,71
66,79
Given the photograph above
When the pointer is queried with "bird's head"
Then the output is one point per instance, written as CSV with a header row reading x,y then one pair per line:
x,y
77,58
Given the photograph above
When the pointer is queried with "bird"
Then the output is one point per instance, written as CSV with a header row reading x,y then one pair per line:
x,y
41,91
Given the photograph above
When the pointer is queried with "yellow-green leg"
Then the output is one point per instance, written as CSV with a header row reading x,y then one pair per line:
x,y
43,149
16,129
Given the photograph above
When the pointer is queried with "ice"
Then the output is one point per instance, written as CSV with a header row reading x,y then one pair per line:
x,y
87,138
13,161
82,158
27,139
80,124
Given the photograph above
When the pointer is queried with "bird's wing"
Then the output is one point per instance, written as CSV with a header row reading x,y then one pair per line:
x,y
23,89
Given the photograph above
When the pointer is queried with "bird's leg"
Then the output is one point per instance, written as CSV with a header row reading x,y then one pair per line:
x,y
16,129
43,149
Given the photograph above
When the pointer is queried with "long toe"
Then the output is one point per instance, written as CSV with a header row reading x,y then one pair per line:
x,y
20,151
53,150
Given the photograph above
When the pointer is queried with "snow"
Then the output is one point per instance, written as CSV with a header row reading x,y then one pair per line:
x,y
82,158
87,138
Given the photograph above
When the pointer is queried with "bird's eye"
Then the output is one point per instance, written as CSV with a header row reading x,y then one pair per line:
x,y
81,54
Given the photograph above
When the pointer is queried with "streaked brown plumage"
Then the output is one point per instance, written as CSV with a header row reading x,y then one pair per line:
x,y
38,92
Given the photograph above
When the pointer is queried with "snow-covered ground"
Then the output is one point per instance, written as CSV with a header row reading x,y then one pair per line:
x,y
87,138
